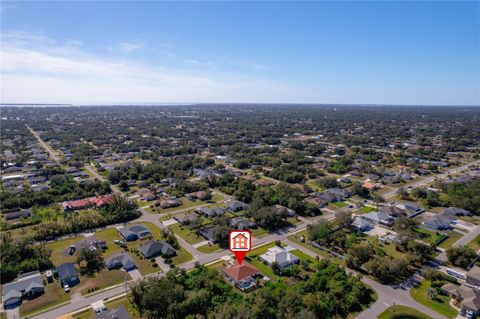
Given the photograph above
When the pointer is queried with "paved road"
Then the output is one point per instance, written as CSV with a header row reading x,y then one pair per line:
x,y
429,179
387,295
471,235
201,258
94,172
44,145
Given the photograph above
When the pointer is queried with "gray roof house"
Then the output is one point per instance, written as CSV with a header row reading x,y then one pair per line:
x,y
17,214
115,313
27,286
67,274
187,219
361,224
393,211
241,223
134,232
473,277
157,248
235,205
379,218
437,222
208,233
455,211
120,261
211,212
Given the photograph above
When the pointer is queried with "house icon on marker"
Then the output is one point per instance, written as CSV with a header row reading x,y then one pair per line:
x,y
239,242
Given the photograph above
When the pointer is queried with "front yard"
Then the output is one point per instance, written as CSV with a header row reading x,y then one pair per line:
x,y
402,312
54,295
440,304
453,236
188,235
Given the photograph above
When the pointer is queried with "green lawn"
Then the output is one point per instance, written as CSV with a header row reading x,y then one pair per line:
x,y
339,204
103,279
53,296
259,232
440,304
188,235
402,312
453,236
58,247
182,257
3,315
367,209
302,256
109,235
429,236
296,238
264,269
475,243
186,203
208,249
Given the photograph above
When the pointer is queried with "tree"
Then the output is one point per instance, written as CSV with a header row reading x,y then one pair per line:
x,y
461,256
344,218
402,193
90,260
320,232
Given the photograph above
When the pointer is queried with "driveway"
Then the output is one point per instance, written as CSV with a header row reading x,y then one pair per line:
x,y
13,313
135,274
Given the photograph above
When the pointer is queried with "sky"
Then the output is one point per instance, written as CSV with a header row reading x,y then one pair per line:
x,y
382,52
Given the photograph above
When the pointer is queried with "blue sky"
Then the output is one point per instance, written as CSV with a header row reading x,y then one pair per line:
x,y
309,52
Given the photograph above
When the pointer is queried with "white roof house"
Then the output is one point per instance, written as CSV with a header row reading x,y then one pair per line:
x,y
281,256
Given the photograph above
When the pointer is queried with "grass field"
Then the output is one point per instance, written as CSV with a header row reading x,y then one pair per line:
x,y
188,235
440,304
475,243
103,279
339,204
296,238
89,314
367,209
57,247
429,236
259,232
208,249
402,312
453,236
182,257
54,295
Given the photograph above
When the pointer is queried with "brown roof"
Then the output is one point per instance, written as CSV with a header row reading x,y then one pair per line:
x,y
474,273
240,272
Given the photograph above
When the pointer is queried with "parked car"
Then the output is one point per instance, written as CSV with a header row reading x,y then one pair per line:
x,y
66,288
72,250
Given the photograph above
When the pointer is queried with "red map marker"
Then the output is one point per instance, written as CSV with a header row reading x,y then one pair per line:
x,y
239,243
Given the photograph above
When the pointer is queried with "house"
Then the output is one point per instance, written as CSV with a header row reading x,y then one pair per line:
x,y
67,274
410,207
235,205
210,212
146,195
187,219
27,286
316,201
134,232
452,212
241,223
156,248
208,233
379,218
473,277
468,297
437,222
115,313
86,202
393,211
290,212
281,256
130,182
168,203
361,224
91,242
201,195
242,276
17,214
120,260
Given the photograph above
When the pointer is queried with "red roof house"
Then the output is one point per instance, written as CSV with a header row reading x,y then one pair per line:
x,y
240,272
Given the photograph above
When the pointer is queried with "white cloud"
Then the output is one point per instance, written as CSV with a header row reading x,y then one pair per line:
x,y
38,69
129,47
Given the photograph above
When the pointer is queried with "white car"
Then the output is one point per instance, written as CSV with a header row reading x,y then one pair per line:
x,y
66,288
